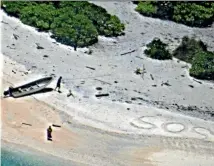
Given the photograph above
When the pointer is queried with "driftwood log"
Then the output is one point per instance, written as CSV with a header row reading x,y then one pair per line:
x,y
27,124
139,57
102,81
90,68
197,81
151,76
128,52
102,95
54,125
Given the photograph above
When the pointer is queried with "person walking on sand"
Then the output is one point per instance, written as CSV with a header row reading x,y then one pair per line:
x,y
58,85
49,131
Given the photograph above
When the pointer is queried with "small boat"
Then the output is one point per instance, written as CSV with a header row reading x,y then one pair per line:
x,y
29,88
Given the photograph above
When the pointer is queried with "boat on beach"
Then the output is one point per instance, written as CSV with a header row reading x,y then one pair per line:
x,y
29,88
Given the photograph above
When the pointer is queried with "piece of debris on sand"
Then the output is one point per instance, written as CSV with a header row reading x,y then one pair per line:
x,y
15,36
166,83
70,94
38,46
27,124
128,52
54,125
102,95
92,68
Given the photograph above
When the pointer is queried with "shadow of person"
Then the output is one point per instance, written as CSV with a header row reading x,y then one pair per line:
x,y
49,139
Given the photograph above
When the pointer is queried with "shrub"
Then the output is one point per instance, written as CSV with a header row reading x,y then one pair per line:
x,y
113,27
157,50
195,52
146,8
40,16
188,48
203,65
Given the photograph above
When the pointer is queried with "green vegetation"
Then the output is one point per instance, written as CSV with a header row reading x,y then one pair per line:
x,y
195,52
157,50
196,14
199,14
105,23
40,16
14,8
190,50
146,8
74,29
203,65
72,23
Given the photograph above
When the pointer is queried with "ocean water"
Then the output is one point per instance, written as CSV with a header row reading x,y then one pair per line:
x,y
17,156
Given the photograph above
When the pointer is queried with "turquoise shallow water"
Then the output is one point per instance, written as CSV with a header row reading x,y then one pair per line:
x,y
9,158
16,156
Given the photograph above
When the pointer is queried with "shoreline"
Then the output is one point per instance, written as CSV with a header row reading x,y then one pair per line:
x,y
32,152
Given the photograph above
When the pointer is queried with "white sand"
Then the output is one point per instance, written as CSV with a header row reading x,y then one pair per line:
x,y
181,158
113,113
175,127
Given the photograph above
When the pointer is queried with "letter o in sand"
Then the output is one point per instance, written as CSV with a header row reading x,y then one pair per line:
x,y
174,127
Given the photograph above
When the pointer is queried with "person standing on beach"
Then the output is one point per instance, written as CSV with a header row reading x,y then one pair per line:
x,y
8,92
49,131
58,85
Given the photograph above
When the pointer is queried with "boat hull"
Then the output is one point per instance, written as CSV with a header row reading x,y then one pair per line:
x,y
30,88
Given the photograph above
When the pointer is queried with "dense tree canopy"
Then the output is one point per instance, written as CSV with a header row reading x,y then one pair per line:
x,y
197,14
40,16
14,8
75,23
105,23
74,29
194,14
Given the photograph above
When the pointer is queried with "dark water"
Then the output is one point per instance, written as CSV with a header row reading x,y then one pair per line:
x,y
11,156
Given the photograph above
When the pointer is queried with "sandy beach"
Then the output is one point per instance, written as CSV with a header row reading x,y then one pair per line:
x,y
141,122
